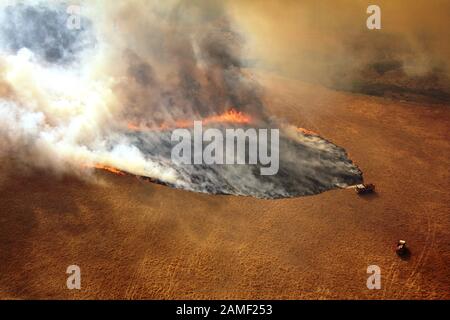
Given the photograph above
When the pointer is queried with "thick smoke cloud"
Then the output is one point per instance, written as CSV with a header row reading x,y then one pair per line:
x,y
68,97
179,59
59,105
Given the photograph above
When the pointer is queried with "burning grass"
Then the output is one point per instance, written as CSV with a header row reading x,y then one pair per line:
x,y
232,116
308,164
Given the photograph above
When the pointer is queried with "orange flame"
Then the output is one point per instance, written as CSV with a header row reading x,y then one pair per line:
x,y
307,132
230,116
109,169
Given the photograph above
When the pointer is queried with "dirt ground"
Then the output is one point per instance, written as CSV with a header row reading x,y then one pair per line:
x,y
137,240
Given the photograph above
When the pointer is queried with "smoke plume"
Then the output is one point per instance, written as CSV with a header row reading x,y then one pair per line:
x,y
68,96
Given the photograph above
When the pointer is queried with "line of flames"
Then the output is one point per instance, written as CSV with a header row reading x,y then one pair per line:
x,y
111,169
307,132
230,116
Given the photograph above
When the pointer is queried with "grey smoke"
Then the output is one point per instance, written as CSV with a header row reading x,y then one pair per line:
x,y
43,30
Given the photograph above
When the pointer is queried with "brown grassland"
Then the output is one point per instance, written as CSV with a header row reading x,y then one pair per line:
x,y
138,240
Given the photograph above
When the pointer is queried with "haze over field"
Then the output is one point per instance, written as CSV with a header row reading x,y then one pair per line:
x,y
328,42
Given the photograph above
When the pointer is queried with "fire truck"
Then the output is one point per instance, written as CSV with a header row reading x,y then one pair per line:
x,y
365,188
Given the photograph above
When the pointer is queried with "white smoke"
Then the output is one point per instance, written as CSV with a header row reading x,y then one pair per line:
x,y
61,115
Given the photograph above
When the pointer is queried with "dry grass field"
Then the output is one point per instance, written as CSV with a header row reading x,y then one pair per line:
x,y
138,240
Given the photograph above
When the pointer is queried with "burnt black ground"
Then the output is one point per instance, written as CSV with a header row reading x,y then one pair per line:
x,y
308,165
